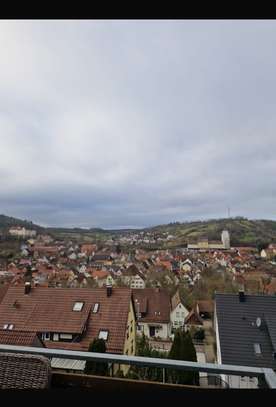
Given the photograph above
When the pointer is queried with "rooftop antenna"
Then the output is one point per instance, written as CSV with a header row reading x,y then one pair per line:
x,y
228,209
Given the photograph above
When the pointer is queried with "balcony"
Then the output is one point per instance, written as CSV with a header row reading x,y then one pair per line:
x,y
81,381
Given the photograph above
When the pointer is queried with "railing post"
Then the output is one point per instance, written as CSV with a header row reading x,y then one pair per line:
x,y
164,375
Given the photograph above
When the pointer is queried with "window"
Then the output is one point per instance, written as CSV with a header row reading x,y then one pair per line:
x,y
8,326
103,335
78,306
46,336
55,337
96,308
66,336
257,348
177,315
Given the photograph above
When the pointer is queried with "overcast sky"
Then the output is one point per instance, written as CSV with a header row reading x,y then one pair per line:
x,y
136,123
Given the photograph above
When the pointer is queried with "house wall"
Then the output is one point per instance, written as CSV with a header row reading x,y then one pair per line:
x,y
130,342
163,331
137,282
178,316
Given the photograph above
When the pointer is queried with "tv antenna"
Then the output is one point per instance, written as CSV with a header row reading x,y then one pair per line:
x,y
228,210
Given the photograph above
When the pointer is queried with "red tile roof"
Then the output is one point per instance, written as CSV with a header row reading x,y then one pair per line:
x,y
51,310
3,290
19,338
156,303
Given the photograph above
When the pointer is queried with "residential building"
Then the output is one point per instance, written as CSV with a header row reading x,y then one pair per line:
x,y
245,328
133,277
68,318
178,311
21,232
153,307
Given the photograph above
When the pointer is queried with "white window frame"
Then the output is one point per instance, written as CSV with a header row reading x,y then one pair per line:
x,y
96,308
78,306
56,337
65,336
11,326
6,326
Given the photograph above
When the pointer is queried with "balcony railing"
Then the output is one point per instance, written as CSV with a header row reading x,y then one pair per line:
x,y
268,376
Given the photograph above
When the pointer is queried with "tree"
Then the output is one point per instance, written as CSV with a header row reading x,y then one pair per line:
x,y
183,349
96,368
146,373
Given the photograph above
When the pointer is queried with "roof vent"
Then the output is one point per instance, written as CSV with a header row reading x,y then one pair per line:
x,y
27,288
241,296
260,323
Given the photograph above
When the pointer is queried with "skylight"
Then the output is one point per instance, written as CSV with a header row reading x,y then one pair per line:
x,y
103,334
78,306
257,348
96,308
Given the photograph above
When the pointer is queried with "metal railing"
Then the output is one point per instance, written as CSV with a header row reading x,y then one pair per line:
x,y
265,374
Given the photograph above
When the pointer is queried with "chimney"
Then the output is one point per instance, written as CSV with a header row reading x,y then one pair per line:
x,y
108,290
108,286
241,295
27,288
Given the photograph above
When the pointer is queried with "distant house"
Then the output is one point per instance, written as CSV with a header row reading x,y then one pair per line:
x,y
102,258
133,277
205,309
245,333
153,307
19,231
100,276
268,253
178,311
193,319
88,249
186,266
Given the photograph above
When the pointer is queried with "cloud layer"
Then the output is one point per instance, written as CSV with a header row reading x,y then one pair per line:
x,y
135,123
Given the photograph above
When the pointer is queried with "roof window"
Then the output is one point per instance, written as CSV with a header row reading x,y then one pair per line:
x,y
103,334
257,348
96,308
8,326
78,306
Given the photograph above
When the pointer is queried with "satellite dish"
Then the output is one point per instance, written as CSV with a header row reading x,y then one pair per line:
x,y
258,322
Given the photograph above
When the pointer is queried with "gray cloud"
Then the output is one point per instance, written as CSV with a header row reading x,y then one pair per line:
x,y
135,123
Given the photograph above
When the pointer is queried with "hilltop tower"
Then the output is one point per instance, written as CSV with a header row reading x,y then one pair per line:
x,y
225,238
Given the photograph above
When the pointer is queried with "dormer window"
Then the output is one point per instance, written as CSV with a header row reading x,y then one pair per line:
x,y
78,306
103,334
10,326
5,326
96,308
